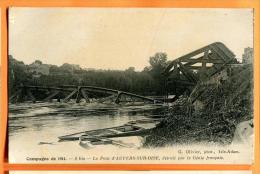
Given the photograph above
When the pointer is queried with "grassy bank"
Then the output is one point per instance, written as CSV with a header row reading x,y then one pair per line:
x,y
211,112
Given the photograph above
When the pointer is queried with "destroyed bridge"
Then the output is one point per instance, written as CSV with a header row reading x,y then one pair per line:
x,y
181,75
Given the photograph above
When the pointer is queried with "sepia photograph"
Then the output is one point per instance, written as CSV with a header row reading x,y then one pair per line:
x,y
131,85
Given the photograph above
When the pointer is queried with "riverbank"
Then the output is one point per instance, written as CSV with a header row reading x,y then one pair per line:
x,y
211,113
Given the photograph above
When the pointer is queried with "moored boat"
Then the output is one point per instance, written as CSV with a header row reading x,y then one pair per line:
x,y
88,141
132,128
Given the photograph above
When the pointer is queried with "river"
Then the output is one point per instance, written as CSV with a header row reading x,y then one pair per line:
x,y
34,128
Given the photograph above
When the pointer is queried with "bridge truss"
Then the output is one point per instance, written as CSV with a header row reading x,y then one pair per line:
x,y
183,73
68,92
181,76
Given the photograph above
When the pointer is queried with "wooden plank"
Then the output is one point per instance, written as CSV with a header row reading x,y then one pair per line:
x,y
75,136
131,133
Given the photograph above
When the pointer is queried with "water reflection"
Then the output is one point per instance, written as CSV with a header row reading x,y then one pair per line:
x,y
59,119
34,128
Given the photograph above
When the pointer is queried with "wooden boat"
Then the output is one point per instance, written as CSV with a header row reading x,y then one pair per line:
x,y
132,128
88,141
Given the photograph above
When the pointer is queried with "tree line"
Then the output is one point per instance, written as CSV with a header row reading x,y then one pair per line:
x,y
149,81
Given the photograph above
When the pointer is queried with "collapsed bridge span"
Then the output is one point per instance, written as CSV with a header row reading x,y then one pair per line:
x,y
183,73
67,92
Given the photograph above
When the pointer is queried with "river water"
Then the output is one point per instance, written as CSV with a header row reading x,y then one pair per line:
x,y
35,128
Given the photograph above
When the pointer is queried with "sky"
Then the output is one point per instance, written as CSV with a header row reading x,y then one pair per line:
x,y
118,38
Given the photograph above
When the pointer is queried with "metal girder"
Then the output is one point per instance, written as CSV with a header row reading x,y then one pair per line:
x,y
199,65
107,98
196,67
120,93
51,96
80,91
224,55
187,73
70,95
85,95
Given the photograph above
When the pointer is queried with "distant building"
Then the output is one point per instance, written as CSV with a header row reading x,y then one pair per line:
x,y
247,57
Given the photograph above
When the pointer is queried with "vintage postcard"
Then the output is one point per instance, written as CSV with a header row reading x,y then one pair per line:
x,y
130,172
131,85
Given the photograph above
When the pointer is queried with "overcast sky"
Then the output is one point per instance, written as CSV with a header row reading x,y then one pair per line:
x,y
117,38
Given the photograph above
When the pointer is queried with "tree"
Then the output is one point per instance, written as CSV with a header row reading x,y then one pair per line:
x,y
159,60
158,63
17,74
148,82
130,69
38,62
